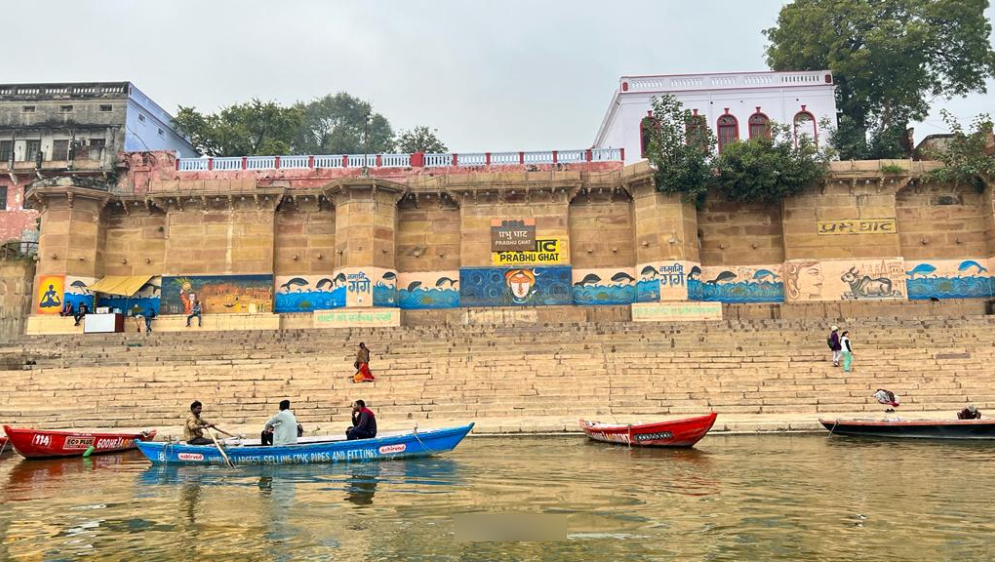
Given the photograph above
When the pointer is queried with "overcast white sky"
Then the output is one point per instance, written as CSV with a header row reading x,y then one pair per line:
x,y
499,75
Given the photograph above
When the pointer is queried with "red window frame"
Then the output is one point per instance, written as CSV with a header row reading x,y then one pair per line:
x,y
723,125
762,123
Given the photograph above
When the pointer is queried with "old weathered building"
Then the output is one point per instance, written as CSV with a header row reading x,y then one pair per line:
x,y
49,130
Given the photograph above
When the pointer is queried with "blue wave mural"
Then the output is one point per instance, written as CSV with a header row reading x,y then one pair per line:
x,y
924,288
528,286
425,298
604,294
127,304
742,292
384,294
306,301
648,290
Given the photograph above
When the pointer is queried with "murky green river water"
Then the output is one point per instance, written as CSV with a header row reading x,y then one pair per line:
x,y
731,498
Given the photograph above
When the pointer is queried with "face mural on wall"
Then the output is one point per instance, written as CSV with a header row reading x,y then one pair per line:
x,y
844,280
522,284
803,280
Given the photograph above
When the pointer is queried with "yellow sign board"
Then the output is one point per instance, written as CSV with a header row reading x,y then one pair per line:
x,y
548,252
857,226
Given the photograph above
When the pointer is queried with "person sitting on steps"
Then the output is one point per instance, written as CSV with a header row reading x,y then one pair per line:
x,y
195,312
80,314
364,423
969,413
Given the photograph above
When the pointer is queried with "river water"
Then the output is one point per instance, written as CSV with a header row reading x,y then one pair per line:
x,y
775,497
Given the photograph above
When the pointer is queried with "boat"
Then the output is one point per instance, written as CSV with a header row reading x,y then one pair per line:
x,y
311,450
3,443
673,433
913,429
43,444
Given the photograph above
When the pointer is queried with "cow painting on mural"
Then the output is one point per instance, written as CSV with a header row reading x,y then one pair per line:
x,y
865,286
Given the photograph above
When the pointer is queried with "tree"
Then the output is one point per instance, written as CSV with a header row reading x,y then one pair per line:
x,y
888,57
248,129
969,157
419,139
680,149
340,124
766,170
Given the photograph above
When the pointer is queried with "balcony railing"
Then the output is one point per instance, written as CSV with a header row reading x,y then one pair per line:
x,y
747,80
417,160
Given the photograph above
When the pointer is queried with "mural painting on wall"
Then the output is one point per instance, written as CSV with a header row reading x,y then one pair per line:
x,y
430,289
307,293
218,294
844,280
493,286
145,298
949,279
49,294
664,282
370,286
604,286
736,284
78,292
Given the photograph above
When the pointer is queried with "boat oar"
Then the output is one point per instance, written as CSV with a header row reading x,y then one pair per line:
x,y
220,450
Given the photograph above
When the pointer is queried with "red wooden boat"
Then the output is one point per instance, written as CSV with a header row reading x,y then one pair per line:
x,y
674,433
41,444
3,444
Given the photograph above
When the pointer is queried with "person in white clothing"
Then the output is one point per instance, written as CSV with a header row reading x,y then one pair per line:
x,y
282,428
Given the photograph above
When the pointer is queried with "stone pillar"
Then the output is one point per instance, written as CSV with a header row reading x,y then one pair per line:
x,y
71,243
666,231
365,230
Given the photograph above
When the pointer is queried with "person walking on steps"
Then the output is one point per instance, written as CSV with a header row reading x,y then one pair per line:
x,y
834,344
847,351
362,365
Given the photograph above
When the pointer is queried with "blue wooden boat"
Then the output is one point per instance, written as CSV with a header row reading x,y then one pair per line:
x,y
311,450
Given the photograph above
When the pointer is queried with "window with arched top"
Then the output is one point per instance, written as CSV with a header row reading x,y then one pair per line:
x,y
805,127
696,131
759,126
728,129
645,134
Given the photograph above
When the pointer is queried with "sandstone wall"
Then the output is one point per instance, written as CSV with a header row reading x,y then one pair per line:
x,y
16,276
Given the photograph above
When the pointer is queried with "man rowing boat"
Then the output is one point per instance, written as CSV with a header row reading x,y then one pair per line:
x,y
193,431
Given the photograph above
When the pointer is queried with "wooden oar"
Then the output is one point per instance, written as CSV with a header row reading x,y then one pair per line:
x,y
220,450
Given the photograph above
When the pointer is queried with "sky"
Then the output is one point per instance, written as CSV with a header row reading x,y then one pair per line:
x,y
488,76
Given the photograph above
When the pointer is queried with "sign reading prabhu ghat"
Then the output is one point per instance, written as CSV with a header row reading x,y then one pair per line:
x,y
862,226
548,251
513,235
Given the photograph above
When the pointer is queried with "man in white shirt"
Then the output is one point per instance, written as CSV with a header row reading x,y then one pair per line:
x,y
281,429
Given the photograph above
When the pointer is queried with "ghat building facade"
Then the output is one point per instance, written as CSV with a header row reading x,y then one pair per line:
x,y
344,240
296,241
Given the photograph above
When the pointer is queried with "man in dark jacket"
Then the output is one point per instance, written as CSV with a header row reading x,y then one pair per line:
x,y
834,345
364,422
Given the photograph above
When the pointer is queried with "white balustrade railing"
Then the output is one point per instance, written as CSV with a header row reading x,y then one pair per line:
x,y
328,161
292,162
353,161
438,160
260,162
665,83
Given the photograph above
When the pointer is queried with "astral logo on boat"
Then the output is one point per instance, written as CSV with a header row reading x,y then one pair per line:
x,y
387,449
654,436
191,457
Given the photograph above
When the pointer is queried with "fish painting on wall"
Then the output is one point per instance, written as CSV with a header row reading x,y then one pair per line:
x,y
428,289
307,293
736,284
146,298
948,279
592,287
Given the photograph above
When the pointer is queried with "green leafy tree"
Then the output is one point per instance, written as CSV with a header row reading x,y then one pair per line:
x,y
766,170
342,124
248,129
888,57
420,139
681,149
969,157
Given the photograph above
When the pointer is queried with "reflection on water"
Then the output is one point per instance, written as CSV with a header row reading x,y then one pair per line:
x,y
731,498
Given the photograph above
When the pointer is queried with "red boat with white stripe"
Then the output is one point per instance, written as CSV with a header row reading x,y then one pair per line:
x,y
43,444
674,433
